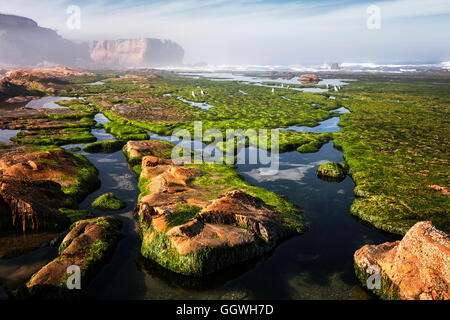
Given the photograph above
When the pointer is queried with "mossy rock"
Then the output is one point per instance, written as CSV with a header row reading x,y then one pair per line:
x,y
107,146
90,244
75,215
108,202
75,149
332,171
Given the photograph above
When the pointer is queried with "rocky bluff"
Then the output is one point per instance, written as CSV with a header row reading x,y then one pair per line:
x,y
24,43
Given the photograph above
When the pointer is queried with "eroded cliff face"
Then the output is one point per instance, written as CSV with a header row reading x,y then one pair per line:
x,y
136,53
23,43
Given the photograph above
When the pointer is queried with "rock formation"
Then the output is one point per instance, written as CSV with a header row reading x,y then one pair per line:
x,y
24,43
31,205
89,245
332,171
417,267
9,89
135,53
32,185
135,150
184,232
309,79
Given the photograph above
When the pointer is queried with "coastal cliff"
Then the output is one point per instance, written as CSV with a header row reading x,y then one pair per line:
x,y
23,43
135,53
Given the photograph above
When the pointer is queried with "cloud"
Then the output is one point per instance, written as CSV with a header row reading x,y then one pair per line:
x,y
261,32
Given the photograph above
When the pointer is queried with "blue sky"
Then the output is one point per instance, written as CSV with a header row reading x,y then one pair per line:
x,y
257,32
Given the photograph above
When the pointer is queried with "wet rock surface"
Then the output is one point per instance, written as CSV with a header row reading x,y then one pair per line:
x,y
31,205
415,268
188,234
32,186
309,79
89,245
135,150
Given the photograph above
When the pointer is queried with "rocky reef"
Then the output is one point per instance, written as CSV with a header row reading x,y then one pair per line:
x,y
36,182
135,150
187,228
89,245
415,268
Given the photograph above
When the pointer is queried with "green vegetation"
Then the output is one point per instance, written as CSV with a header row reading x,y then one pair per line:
x,y
54,137
395,141
85,182
108,202
75,215
217,179
108,146
122,131
157,247
182,215
332,170
91,255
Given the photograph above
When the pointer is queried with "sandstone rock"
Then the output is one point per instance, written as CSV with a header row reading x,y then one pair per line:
x,y
31,187
31,205
236,207
309,79
135,150
89,245
190,235
417,267
55,165
10,90
57,74
143,52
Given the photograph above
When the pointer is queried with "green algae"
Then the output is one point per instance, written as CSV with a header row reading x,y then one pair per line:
x,y
107,146
108,202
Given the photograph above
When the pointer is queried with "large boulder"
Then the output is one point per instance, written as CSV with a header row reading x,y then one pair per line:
x,y
417,267
89,245
309,79
185,232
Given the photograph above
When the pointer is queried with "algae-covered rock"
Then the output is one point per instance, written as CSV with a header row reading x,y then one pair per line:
x,y
332,170
185,232
108,202
89,245
31,205
107,146
415,268
136,150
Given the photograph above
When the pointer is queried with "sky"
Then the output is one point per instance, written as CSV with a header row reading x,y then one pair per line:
x,y
262,32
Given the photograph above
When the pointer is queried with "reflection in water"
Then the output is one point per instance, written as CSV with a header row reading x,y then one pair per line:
x,y
6,135
201,105
47,103
329,125
316,265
